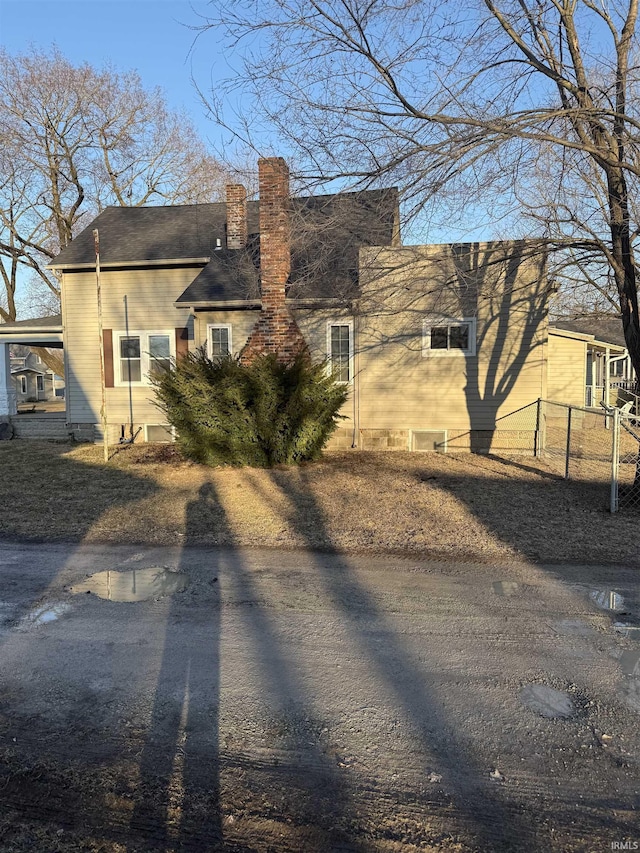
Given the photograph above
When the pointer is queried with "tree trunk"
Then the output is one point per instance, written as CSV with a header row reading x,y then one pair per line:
x,y
53,360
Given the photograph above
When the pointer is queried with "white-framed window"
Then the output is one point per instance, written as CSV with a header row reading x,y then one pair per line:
x,y
219,340
340,350
137,355
23,384
40,383
449,336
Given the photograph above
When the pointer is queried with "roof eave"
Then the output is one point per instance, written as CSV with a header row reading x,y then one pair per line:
x,y
321,302
222,303
166,262
568,333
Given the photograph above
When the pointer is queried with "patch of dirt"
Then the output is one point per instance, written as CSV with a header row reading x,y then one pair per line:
x,y
454,505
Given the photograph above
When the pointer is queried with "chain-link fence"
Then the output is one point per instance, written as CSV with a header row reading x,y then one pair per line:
x,y
627,484
578,444
600,448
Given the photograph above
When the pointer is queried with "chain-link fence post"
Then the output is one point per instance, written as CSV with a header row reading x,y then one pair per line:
x,y
615,459
538,438
568,447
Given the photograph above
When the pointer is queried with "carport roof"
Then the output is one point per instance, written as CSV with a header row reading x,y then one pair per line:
x,y
38,331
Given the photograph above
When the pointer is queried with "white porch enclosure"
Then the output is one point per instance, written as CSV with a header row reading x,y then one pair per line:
x,y
41,332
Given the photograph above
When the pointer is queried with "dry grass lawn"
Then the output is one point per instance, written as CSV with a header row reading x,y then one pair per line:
x,y
438,505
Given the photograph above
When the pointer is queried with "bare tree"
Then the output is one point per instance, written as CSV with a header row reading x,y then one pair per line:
x,y
74,139
473,98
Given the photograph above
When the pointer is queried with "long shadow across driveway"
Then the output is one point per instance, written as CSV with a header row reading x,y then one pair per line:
x,y
181,800
489,821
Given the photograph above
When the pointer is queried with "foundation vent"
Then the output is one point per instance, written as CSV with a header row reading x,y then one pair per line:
x,y
433,440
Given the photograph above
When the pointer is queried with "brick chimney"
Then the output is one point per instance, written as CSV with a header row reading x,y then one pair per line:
x,y
275,331
236,216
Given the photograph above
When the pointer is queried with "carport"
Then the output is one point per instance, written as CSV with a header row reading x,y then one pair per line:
x,y
39,332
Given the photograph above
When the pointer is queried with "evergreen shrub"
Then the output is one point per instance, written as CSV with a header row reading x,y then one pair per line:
x,y
261,415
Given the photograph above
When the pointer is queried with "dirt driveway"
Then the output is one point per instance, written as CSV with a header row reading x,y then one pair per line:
x,y
310,702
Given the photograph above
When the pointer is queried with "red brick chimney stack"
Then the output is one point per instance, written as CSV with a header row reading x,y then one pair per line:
x,y
236,216
275,230
276,331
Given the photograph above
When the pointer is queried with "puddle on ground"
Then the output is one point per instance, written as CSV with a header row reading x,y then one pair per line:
x,y
6,612
631,694
630,662
550,703
134,584
630,631
45,614
573,627
607,600
505,587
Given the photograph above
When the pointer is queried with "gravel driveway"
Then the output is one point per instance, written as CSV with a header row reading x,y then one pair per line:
x,y
299,701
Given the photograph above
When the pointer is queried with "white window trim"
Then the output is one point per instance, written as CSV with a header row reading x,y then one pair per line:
x,y
348,323
23,384
427,325
210,327
144,336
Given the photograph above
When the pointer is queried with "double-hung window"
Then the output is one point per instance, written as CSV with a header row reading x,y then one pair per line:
x,y
340,350
140,355
218,340
449,337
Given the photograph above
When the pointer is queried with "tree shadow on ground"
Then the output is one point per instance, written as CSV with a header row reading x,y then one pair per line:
x,y
180,801
178,794
84,492
489,821
30,516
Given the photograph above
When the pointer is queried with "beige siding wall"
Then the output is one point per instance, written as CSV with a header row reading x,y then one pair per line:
x,y
401,389
396,388
567,370
150,297
241,323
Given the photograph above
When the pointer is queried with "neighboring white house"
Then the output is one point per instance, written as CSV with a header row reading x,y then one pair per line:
x,y
34,381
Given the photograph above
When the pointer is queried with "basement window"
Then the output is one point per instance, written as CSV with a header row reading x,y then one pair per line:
x,y
449,337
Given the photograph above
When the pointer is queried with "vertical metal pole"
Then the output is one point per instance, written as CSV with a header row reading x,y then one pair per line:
x,y
615,452
103,408
126,329
537,443
568,448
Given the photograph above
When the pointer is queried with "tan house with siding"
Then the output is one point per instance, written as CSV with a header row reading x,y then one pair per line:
x,y
439,344
589,363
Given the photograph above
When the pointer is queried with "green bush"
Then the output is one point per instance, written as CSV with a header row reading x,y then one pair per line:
x,y
261,415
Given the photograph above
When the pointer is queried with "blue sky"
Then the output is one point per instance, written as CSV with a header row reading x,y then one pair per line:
x,y
145,35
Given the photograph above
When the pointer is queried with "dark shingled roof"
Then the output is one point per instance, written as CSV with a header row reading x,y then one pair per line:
x,y
136,234
231,275
327,232
36,322
604,327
